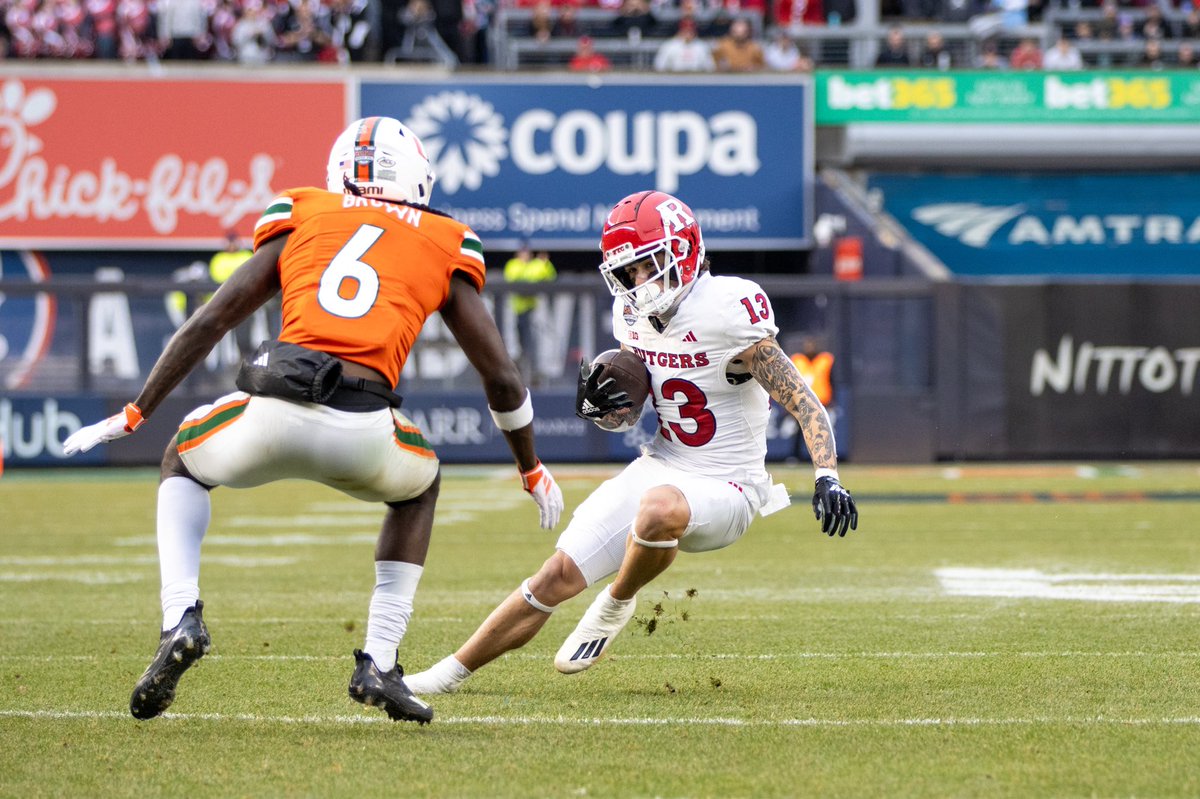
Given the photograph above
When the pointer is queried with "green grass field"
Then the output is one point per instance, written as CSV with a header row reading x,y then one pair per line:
x,y
1006,630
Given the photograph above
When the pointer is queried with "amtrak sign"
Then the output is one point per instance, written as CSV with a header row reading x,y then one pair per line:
x,y
1129,225
545,160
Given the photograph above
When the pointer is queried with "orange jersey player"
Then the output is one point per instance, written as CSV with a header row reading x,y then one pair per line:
x,y
361,266
360,276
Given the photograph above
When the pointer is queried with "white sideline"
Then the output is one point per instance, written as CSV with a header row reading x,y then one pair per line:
x,y
340,720
690,657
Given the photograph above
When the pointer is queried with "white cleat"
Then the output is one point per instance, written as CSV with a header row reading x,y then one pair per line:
x,y
595,633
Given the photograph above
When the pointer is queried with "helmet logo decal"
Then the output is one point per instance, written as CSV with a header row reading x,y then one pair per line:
x,y
675,216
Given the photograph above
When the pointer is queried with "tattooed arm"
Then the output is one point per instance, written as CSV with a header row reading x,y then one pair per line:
x,y
765,362
775,372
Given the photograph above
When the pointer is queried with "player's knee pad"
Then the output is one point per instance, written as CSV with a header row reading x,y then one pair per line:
x,y
670,543
527,595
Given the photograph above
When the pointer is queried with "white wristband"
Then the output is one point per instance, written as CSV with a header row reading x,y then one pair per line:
x,y
516,418
826,473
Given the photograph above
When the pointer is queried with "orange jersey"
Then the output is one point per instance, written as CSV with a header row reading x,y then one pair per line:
x,y
361,276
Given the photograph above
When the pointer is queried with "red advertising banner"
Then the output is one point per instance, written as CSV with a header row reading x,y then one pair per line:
x,y
153,162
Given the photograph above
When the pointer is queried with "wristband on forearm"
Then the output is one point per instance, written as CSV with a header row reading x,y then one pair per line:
x,y
516,418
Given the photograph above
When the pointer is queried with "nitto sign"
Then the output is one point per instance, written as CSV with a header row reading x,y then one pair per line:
x,y
547,160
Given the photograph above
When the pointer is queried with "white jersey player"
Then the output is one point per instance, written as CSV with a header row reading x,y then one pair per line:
x,y
709,344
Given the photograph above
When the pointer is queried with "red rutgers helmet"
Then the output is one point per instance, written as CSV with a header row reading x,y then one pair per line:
x,y
651,225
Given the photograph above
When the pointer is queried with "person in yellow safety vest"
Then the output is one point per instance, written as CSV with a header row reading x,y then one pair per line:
x,y
223,264
816,367
220,267
524,267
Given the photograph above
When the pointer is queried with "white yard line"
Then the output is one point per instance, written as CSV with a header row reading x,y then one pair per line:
x,y
631,721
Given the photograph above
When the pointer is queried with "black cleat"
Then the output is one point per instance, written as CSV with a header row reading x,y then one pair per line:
x,y
386,691
178,649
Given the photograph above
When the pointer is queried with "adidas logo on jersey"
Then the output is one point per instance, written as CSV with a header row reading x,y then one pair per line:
x,y
690,337
261,360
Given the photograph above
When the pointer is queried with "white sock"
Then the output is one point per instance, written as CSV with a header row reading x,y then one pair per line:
x,y
391,608
183,514
443,677
612,600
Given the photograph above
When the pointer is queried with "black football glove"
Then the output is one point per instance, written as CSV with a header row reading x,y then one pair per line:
x,y
834,507
596,398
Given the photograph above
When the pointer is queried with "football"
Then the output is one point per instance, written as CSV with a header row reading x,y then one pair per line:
x,y
627,369
632,377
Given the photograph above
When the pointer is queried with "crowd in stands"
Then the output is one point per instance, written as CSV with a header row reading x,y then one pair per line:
x,y
689,35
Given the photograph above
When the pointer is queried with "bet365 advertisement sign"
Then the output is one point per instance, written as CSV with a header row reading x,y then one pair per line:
x,y
998,97
545,160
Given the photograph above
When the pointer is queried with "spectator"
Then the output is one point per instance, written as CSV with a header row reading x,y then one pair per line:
x,y
183,29
135,31
44,23
477,21
1027,55
75,27
1084,31
567,25
634,20
253,36
835,12
1152,56
541,22
1013,13
350,27
797,13
935,55
586,59
1189,28
103,14
1063,56
782,55
447,21
1126,30
220,23
19,21
738,52
684,52
1185,57
1154,26
1106,27
895,50
989,56
920,9
302,37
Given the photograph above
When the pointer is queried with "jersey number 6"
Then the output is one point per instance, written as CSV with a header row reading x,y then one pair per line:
x,y
349,287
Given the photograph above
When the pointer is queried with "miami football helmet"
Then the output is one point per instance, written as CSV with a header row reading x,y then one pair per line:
x,y
383,160
653,226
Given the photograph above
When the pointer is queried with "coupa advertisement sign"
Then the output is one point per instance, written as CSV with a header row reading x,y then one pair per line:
x,y
545,160
154,162
1129,225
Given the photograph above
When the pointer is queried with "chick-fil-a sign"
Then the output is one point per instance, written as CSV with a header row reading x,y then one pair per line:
x,y
157,163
